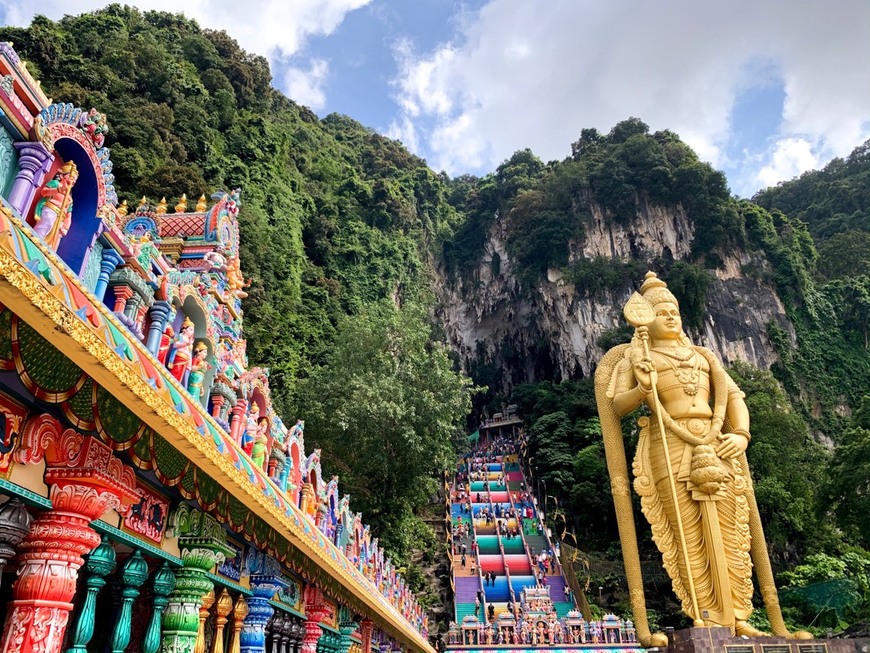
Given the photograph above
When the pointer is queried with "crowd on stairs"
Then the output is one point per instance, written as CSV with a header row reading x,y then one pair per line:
x,y
508,581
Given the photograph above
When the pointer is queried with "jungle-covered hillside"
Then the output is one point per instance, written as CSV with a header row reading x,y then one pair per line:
x,y
349,239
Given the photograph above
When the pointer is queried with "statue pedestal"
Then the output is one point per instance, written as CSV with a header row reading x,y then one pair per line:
x,y
720,640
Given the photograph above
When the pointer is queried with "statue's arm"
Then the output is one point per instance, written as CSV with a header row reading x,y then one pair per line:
x,y
734,442
628,394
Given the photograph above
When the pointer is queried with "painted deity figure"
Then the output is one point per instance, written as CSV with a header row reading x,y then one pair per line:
x,y
165,344
251,426
261,439
235,279
53,212
198,369
93,123
693,479
182,353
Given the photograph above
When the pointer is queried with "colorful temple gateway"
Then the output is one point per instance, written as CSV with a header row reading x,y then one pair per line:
x,y
150,498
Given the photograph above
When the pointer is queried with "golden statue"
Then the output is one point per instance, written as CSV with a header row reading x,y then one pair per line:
x,y
694,483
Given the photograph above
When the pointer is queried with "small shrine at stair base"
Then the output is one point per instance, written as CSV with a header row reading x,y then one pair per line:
x,y
151,499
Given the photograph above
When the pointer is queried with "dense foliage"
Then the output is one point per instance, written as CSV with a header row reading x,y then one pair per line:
x,y
335,218
383,407
333,215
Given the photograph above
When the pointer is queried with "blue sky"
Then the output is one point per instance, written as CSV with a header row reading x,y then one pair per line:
x,y
762,89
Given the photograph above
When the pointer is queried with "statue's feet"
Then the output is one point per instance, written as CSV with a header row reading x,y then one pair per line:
x,y
802,634
657,640
743,628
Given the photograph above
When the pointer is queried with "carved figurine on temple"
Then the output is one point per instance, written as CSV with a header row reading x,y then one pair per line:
x,y
694,482
165,345
261,439
182,353
235,279
93,124
53,213
216,260
252,424
198,369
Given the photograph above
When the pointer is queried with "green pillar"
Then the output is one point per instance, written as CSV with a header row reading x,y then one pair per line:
x,y
133,574
101,563
202,542
346,628
162,584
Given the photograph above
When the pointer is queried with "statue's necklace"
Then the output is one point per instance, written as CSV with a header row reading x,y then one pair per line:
x,y
687,373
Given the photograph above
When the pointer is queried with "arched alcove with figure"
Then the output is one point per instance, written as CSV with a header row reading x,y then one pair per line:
x,y
75,247
77,186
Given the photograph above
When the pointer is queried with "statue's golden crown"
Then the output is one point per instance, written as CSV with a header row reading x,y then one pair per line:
x,y
655,291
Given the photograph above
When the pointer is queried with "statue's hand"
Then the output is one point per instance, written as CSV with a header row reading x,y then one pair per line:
x,y
644,371
731,445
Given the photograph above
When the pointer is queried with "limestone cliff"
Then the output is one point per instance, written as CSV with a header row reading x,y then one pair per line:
x,y
553,330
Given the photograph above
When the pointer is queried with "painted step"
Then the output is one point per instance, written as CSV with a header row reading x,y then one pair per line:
x,y
518,565
562,609
513,545
500,592
537,542
466,589
463,610
519,582
492,563
556,585
488,544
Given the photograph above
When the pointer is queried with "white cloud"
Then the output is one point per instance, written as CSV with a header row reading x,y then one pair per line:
x,y
789,158
307,86
532,73
277,29
403,130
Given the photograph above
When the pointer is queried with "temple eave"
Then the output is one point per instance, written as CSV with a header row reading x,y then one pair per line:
x,y
48,314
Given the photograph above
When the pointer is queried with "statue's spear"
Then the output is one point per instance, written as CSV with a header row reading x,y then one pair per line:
x,y
640,313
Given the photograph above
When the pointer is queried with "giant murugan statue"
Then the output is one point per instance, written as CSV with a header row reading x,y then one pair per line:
x,y
694,482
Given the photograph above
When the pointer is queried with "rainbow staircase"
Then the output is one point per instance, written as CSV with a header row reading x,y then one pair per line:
x,y
509,558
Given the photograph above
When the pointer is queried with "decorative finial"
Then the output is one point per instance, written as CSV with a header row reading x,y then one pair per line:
x,y
143,201
181,207
161,206
123,209
201,204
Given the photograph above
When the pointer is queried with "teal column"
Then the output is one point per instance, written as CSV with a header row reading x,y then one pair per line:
x,y
100,564
344,641
203,545
133,574
161,585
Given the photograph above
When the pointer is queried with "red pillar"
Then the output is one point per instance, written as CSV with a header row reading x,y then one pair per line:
x,y
315,612
122,294
365,629
236,420
85,480
217,401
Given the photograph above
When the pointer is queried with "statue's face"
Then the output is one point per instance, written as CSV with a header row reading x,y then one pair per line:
x,y
668,325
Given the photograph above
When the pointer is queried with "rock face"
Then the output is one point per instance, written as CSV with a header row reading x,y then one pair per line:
x,y
553,330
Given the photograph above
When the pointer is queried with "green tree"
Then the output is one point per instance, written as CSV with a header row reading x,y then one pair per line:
x,y
848,478
787,465
386,407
